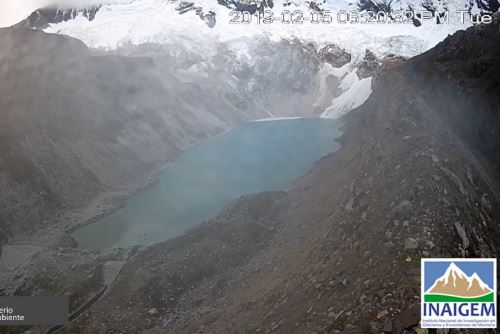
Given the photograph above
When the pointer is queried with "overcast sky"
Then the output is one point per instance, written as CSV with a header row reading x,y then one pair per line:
x,y
13,11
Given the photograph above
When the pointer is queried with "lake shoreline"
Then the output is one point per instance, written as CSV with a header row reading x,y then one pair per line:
x,y
208,175
108,202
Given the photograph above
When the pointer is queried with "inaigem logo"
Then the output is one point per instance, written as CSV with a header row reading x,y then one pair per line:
x,y
459,293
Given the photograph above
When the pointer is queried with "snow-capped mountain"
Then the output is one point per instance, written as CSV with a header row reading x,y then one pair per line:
x,y
199,37
455,282
203,23
43,17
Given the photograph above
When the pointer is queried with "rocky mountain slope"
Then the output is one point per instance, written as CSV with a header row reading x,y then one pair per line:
x,y
416,177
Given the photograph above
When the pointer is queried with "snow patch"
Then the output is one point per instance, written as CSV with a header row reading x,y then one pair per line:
x,y
357,93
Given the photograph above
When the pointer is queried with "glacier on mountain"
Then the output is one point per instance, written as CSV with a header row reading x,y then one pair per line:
x,y
192,45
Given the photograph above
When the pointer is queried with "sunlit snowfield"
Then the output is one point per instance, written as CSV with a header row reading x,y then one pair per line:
x,y
156,21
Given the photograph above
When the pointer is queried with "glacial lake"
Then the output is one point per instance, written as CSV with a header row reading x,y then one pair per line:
x,y
257,156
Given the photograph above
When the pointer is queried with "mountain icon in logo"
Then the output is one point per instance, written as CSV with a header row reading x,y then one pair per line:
x,y
455,286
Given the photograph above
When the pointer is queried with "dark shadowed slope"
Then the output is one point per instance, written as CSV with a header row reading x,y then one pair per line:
x,y
459,79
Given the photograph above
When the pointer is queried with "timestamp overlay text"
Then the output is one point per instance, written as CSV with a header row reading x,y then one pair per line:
x,y
325,17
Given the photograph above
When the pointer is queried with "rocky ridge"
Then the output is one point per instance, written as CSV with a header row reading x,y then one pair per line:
x,y
43,17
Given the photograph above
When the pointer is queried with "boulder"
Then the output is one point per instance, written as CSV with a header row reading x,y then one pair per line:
x,y
334,55
463,235
411,244
368,66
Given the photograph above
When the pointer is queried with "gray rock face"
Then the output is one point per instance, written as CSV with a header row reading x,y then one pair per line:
x,y
184,6
368,66
334,55
246,5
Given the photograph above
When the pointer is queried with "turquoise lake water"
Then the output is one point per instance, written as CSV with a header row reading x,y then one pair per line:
x,y
254,157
